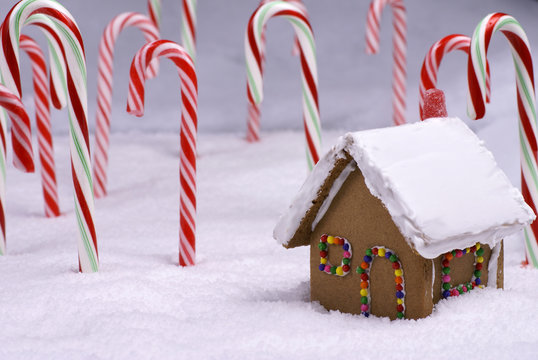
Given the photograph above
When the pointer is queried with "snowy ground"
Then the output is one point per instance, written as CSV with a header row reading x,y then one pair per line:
x,y
246,298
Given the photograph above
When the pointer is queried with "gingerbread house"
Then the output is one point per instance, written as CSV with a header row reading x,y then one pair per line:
x,y
400,218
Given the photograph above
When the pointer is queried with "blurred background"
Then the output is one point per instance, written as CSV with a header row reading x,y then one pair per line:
x,y
355,89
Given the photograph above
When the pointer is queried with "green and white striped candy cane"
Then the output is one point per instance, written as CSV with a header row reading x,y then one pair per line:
x,y
155,12
66,31
188,27
477,75
254,59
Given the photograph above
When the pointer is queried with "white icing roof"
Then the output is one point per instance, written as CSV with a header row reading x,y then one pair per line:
x,y
441,186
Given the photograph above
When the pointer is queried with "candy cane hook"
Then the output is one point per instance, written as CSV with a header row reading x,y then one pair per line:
x,y
253,110
254,55
432,61
104,88
189,125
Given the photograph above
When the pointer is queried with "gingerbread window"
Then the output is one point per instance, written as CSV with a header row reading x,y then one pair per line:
x,y
334,243
447,288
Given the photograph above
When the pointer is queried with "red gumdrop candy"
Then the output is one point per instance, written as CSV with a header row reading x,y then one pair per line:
x,y
434,104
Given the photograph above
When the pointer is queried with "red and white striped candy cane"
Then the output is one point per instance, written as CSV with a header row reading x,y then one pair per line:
x,y
399,42
57,80
58,89
432,61
253,110
42,115
104,88
189,125
66,30
526,103
13,105
188,30
254,60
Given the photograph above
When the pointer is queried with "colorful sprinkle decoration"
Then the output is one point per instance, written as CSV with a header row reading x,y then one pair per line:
x,y
364,271
448,290
325,265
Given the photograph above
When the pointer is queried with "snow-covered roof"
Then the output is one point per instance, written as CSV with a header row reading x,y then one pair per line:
x,y
438,181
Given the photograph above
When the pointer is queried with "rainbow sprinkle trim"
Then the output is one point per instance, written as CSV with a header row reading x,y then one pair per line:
x,y
364,271
325,265
449,290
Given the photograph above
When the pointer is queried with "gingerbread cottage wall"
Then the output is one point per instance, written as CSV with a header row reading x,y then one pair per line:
x,y
362,219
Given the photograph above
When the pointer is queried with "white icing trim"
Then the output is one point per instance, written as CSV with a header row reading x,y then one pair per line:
x,y
433,275
493,264
332,193
290,221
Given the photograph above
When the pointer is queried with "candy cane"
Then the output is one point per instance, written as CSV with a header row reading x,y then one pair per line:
x,y
253,110
58,88
73,53
23,156
296,47
189,124
154,12
399,43
526,102
254,51
188,29
432,61
104,88
42,115
13,105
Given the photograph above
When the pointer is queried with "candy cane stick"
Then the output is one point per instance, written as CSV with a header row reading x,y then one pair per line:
x,y
104,88
399,43
253,110
13,105
188,29
189,124
57,80
58,88
154,12
73,53
254,51
42,115
432,61
526,102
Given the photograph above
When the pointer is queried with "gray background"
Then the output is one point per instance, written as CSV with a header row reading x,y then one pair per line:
x,y
355,89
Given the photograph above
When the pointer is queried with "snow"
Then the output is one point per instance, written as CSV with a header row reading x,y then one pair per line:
x,y
246,298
